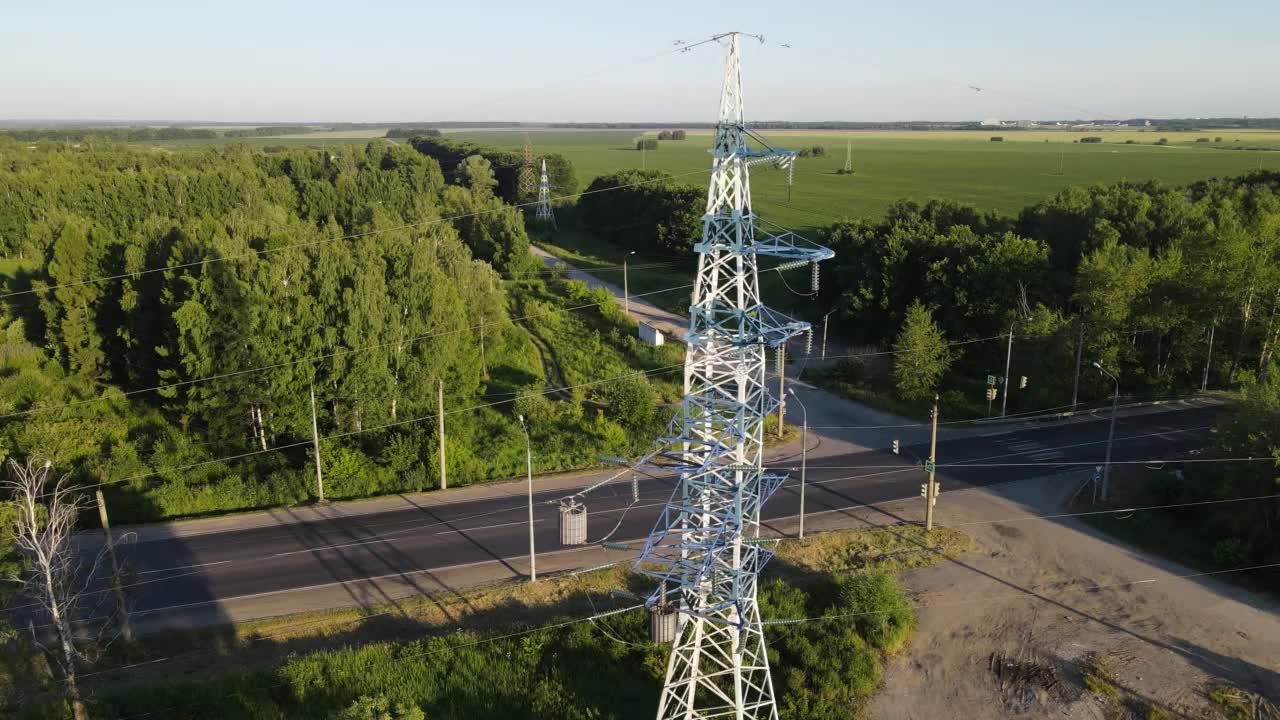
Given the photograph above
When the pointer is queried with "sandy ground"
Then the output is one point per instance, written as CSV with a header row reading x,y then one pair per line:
x,y
1005,632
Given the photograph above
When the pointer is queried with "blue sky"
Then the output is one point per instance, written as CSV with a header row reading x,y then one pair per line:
x,y
600,61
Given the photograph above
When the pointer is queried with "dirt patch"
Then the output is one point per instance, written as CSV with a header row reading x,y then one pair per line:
x,y
1051,618
1024,683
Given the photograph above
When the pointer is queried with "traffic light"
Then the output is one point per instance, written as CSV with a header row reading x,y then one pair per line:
x,y
924,490
991,393
1022,384
896,447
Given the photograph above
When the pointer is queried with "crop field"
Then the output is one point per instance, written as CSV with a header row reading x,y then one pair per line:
x,y
961,165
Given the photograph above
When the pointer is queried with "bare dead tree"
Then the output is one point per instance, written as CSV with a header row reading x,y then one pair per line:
x,y
58,576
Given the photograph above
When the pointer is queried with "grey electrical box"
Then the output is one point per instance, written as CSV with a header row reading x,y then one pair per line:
x,y
573,523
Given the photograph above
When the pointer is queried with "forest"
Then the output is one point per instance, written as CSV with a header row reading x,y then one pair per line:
x,y
236,283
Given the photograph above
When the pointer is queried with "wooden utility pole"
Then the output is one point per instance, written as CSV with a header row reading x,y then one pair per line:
x,y
782,377
444,477
1075,385
122,610
315,444
1208,361
932,494
484,367
1008,361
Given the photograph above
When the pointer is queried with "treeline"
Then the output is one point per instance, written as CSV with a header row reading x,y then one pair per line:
x,y
672,135
334,271
404,132
1146,271
137,134
507,166
649,211
270,131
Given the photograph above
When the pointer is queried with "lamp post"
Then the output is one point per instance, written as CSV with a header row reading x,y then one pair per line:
x,y
1115,402
824,334
528,457
804,453
626,292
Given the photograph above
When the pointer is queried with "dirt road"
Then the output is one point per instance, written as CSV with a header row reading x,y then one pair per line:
x,y
1010,631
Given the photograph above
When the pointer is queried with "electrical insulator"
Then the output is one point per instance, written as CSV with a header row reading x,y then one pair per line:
x,y
808,342
635,488
896,448
813,277
1022,384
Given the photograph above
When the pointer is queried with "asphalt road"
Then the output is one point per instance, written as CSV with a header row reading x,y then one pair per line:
x,y
176,574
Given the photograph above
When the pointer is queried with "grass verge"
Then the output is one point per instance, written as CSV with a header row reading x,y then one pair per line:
x,y
511,651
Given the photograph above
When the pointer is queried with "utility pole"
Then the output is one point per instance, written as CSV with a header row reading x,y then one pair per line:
x,y
444,477
804,454
122,610
1008,361
932,495
484,367
528,460
782,378
1111,435
626,290
315,444
1204,381
1075,386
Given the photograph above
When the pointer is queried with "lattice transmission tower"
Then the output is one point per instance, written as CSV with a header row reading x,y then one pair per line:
x,y
705,549
544,213
527,178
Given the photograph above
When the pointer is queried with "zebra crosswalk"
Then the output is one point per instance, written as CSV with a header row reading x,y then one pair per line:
x,y
1031,449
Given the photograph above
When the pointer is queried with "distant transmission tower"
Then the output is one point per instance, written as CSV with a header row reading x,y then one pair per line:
x,y
527,180
705,548
848,156
544,213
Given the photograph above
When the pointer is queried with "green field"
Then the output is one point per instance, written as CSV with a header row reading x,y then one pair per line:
x,y
964,166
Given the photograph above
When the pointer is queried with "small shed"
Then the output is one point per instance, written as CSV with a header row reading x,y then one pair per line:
x,y
651,334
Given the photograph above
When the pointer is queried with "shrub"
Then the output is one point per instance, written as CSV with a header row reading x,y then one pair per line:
x,y
1231,552
1091,139
997,138
1202,140
370,707
647,144
887,619
1162,141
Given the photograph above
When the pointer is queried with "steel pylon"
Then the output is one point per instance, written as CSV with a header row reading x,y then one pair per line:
x,y
544,213
705,548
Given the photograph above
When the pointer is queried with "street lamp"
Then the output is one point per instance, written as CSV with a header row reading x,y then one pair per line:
x,y
824,334
528,458
804,453
626,292
1115,402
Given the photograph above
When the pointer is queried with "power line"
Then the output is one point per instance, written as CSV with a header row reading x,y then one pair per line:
x,y
426,653
1024,594
350,433
996,422
350,236
314,358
